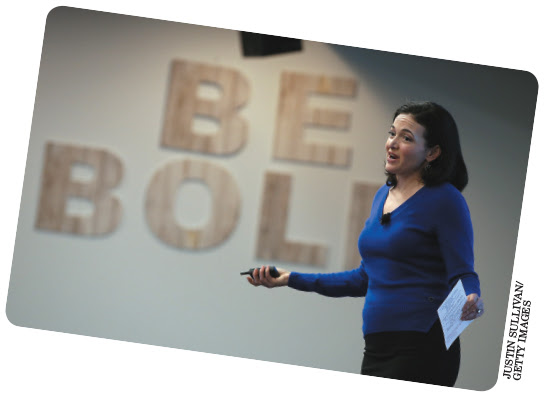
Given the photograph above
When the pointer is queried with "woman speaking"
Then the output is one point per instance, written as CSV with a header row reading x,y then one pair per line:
x,y
415,245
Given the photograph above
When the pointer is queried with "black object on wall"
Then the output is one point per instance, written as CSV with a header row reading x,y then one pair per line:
x,y
255,44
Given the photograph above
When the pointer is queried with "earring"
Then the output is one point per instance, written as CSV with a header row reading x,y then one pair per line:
x,y
428,167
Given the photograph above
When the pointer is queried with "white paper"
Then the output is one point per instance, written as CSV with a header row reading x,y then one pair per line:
x,y
449,313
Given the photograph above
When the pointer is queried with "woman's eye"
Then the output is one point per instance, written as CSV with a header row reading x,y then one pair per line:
x,y
391,133
407,139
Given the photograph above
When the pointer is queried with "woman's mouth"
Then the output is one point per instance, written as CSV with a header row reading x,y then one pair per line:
x,y
392,157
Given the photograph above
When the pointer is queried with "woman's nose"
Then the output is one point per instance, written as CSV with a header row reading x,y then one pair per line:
x,y
392,142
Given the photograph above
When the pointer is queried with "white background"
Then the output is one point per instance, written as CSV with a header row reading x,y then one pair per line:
x,y
37,361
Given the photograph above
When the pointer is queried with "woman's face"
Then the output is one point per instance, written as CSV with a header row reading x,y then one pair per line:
x,y
405,147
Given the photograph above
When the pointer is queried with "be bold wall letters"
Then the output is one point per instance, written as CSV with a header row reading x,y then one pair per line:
x,y
184,104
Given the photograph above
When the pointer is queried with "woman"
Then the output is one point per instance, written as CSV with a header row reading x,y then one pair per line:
x,y
416,244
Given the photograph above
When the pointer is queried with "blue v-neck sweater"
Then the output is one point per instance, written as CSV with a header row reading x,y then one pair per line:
x,y
409,265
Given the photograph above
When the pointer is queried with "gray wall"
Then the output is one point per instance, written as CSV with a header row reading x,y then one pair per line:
x,y
102,83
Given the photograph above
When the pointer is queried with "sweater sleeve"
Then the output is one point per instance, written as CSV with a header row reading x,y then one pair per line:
x,y
351,283
456,240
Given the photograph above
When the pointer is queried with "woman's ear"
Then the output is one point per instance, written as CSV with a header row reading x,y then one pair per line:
x,y
433,153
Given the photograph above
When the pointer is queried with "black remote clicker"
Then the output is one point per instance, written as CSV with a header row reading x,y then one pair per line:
x,y
273,272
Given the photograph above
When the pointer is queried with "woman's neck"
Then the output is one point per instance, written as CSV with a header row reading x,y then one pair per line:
x,y
408,186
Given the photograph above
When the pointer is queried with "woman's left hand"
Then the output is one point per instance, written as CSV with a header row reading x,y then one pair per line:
x,y
473,308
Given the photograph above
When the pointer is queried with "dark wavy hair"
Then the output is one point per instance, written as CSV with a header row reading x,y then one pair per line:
x,y
441,130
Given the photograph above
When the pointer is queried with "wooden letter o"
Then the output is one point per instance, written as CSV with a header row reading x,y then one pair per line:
x,y
160,201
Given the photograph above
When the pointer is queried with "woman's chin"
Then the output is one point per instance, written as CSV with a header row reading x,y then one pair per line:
x,y
389,169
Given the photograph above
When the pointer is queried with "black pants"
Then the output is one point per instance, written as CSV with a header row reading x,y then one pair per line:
x,y
412,356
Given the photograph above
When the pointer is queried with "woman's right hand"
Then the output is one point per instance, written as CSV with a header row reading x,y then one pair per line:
x,y
261,276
